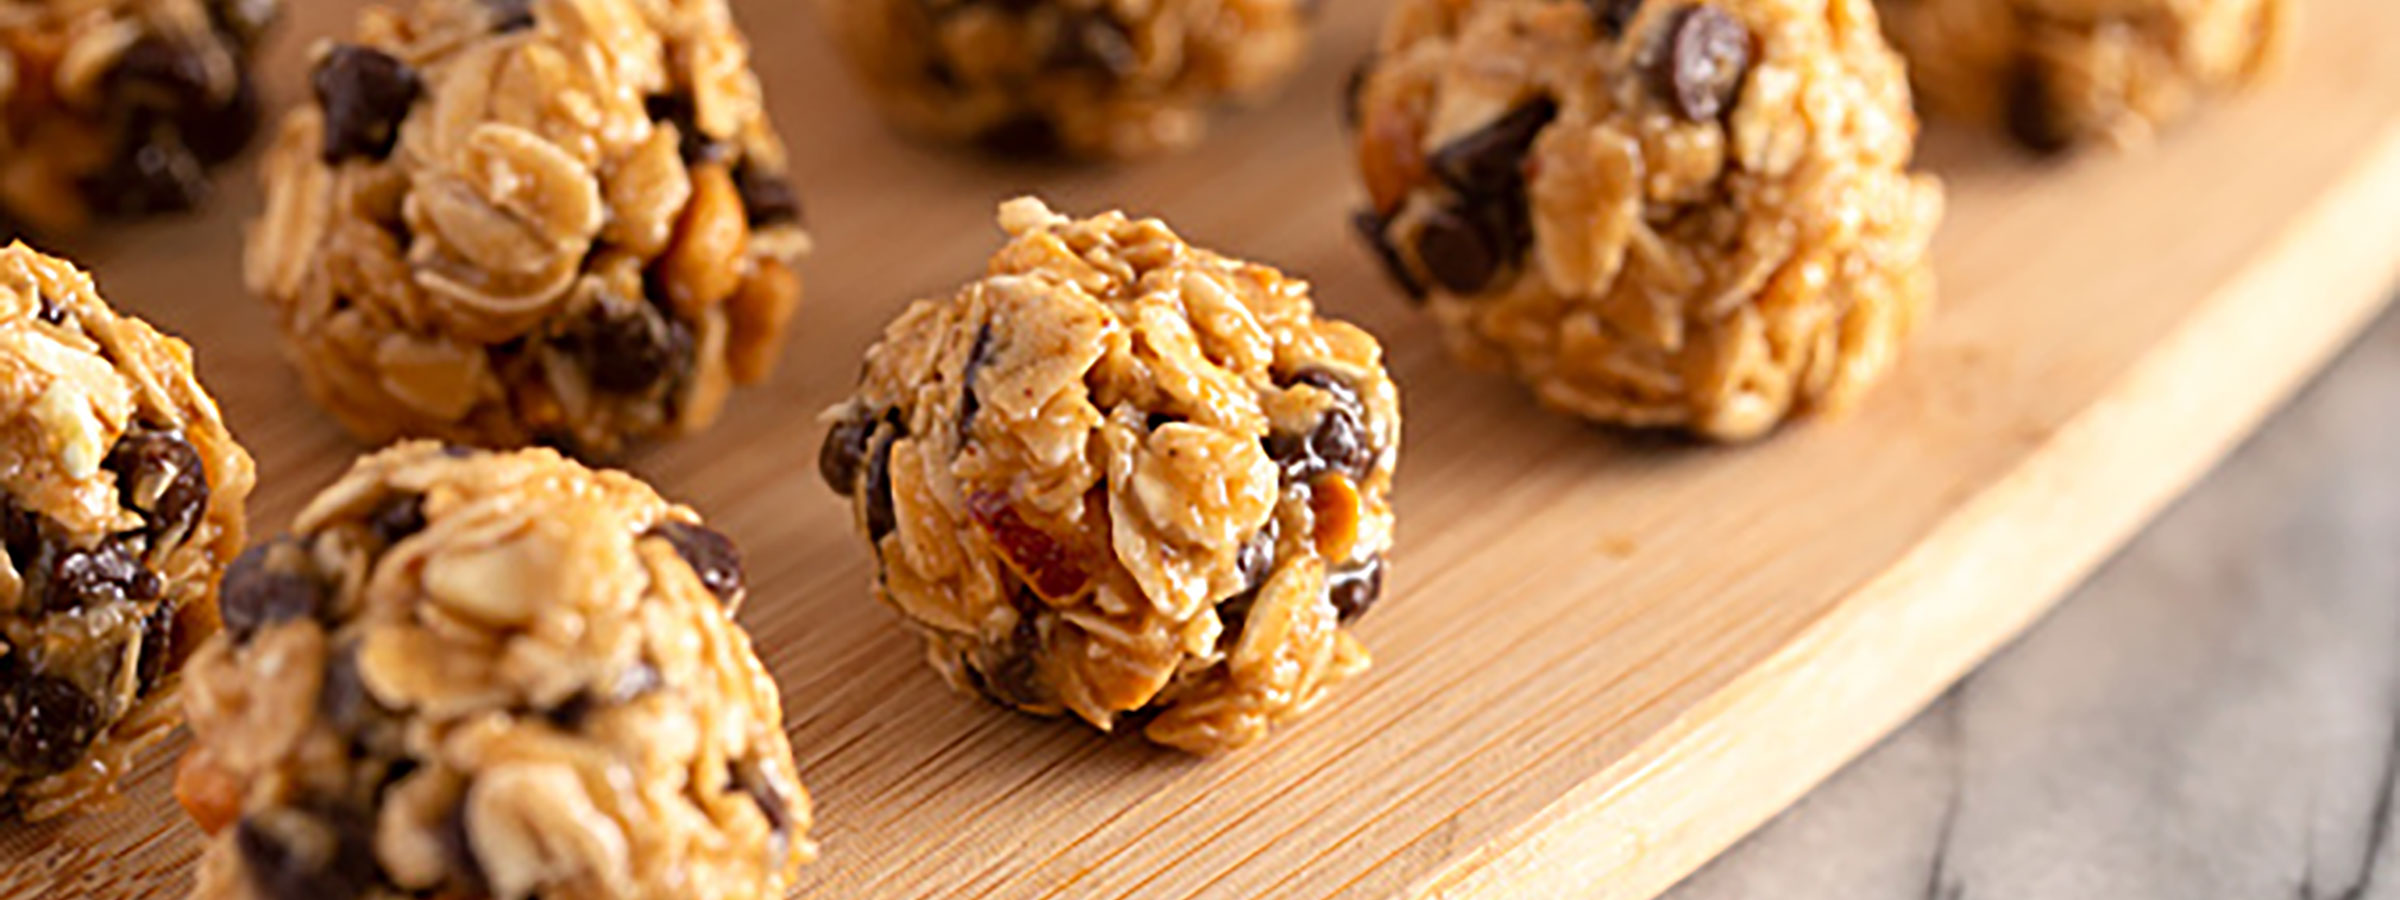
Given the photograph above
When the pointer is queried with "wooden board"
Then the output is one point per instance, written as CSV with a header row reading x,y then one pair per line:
x,y
1602,659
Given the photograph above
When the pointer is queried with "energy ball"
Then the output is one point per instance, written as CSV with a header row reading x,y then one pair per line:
x,y
115,109
491,675
2059,73
1688,214
1097,79
1127,478
120,504
510,222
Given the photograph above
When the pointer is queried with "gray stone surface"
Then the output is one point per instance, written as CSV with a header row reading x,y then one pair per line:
x,y
2215,715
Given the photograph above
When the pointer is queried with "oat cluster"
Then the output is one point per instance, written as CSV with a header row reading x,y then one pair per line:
x,y
120,505
2058,73
1106,79
1126,478
469,674
114,109
557,221
1676,213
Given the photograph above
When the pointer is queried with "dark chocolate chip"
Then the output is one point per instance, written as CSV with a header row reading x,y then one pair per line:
x,y
158,647
695,145
295,854
1707,58
968,403
1338,442
257,594
160,476
1024,136
711,555
1095,41
1490,161
1233,615
767,198
218,133
510,15
155,174
881,519
1460,253
397,517
1611,16
1353,590
844,449
47,722
2034,116
749,777
365,94
1370,227
628,347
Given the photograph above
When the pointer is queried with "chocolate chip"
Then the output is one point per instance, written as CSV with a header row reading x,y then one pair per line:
x,y
256,593
1338,442
160,476
154,174
712,556
1370,227
881,519
694,144
1611,16
1353,590
297,854
1460,253
1708,56
216,133
510,15
365,94
46,722
968,403
2034,117
1023,136
1257,558
397,517
627,347
1490,161
158,646
1095,41
342,698
1007,673
767,198
844,449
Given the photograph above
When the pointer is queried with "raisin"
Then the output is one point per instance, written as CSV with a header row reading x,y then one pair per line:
x,y
1490,161
2034,117
881,519
1257,558
968,403
767,198
510,15
711,555
365,94
397,517
1370,226
844,449
1338,442
773,801
159,475
696,146
1007,673
91,579
256,593
306,854
1611,16
215,134
157,73
46,722
1707,58
627,348
1353,590
158,647
1095,41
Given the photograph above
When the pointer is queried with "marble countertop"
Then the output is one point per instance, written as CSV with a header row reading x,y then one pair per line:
x,y
2216,714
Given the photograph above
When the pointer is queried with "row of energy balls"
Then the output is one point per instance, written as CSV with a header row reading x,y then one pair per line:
x,y
1117,476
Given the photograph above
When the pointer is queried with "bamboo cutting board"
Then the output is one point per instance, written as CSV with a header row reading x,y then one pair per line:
x,y
1602,659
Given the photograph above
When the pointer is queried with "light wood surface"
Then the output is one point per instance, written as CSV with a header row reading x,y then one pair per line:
x,y
1601,659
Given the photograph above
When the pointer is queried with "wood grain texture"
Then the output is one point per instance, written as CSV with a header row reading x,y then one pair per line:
x,y
1602,658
